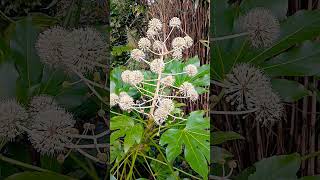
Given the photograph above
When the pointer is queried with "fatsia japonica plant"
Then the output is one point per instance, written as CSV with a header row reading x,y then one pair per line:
x,y
253,48
152,136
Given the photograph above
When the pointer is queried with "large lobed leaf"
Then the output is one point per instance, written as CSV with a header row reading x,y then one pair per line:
x,y
195,138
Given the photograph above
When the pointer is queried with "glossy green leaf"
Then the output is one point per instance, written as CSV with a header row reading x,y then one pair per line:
x,y
38,176
277,167
195,138
219,155
8,78
289,91
220,137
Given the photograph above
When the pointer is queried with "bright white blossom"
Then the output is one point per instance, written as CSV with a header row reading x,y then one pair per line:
x,y
191,70
158,45
166,104
177,54
188,90
155,24
151,33
168,81
189,41
12,114
125,76
175,22
132,77
178,43
125,101
157,66
49,131
144,43
160,115
137,55
114,99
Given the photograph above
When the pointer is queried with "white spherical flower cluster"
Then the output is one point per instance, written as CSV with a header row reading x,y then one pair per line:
x,y
166,104
132,77
12,114
191,70
178,43
189,41
151,33
158,45
125,101
263,27
155,24
188,90
49,45
243,83
177,54
157,66
168,81
82,48
41,103
160,115
114,99
137,55
49,131
144,43
175,22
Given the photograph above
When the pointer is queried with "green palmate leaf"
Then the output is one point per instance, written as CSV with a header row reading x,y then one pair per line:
x,y
221,137
298,61
289,91
303,25
8,78
38,176
125,127
161,171
277,167
22,43
219,155
277,7
195,138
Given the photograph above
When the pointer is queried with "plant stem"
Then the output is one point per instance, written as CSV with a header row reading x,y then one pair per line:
x,y
311,155
22,164
132,165
233,112
230,36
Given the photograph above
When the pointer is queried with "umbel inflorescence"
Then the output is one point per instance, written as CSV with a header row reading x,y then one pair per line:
x,y
157,102
50,128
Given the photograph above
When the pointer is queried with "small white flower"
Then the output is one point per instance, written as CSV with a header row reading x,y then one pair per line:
x,y
191,70
168,81
157,66
151,33
193,95
49,131
158,45
125,101
114,99
188,90
155,24
166,104
11,115
178,43
125,76
189,41
175,22
177,54
144,43
137,55
160,115
136,77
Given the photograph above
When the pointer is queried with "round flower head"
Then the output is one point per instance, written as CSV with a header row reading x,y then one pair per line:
x,y
160,115
125,101
242,84
168,81
191,70
155,24
144,43
189,41
166,104
114,99
177,54
151,33
137,55
125,76
41,103
188,90
49,131
82,48
262,26
178,43
136,77
49,46
158,45
157,66
269,107
11,115
175,22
